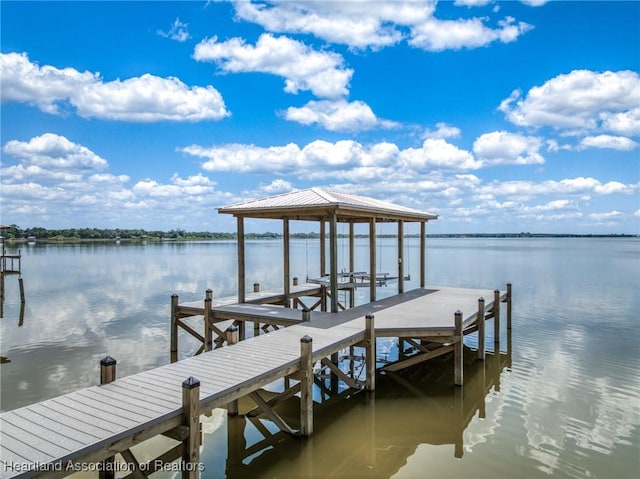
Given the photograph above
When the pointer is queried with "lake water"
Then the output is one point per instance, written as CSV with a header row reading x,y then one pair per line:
x,y
562,399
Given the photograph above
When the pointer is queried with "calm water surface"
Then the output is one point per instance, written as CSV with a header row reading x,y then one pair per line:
x,y
561,399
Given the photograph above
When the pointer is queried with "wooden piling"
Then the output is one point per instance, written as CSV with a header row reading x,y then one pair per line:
x,y
457,349
232,338
480,321
208,332
295,281
496,316
107,375
208,294
306,315
306,386
370,352
21,286
256,287
191,418
508,306
174,327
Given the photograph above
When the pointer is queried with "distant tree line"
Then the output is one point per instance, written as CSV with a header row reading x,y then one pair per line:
x,y
16,233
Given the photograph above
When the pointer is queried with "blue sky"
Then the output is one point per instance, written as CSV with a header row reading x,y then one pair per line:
x,y
497,116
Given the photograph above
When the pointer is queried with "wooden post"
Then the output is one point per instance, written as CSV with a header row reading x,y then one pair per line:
x,y
242,295
480,320
333,260
208,332
286,281
107,375
174,328
457,349
323,248
423,249
352,262
370,352
296,281
400,256
191,418
508,306
21,286
232,338
496,317
256,287
306,386
232,335
306,315
372,260
208,294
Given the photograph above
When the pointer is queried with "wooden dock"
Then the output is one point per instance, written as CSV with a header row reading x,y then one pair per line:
x,y
86,428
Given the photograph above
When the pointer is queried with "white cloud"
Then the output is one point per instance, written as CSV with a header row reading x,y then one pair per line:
x,y
339,115
361,24
525,190
179,31
637,213
439,153
439,35
620,143
611,215
580,101
322,159
442,131
54,151
503,148
147,98
303,68
472,3
275,187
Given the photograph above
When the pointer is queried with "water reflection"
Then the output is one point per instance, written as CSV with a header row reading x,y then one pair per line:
x,y
371,435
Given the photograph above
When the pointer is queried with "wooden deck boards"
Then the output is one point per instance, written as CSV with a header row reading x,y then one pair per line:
x,y
81,425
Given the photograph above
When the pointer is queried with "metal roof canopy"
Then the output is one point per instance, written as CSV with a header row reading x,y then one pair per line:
x,y
317,204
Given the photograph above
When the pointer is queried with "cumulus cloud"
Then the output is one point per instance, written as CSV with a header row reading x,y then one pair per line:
x,y
609,216
55,179
439,35
338,115
54,151
147,98
378,24
442,131
179,31
525,190
303,68
580,101
621,143
503,148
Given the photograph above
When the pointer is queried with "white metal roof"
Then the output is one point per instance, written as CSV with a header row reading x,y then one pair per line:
x,y
316,203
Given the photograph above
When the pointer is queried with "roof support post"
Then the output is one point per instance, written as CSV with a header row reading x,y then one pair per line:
x,y
333,259
241,268
352,261
400,256
287,273
423,249
372,260
323,247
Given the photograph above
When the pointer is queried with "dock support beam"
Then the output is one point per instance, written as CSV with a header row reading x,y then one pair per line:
x,y
306,386
232,337
370,352
400,256
191,419
208,333
107,375
372,260
423,239
457,349
174,328
480,321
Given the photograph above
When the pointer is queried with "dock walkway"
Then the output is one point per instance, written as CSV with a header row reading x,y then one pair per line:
x,y
92,424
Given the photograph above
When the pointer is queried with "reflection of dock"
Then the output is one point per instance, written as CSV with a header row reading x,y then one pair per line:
x,y
370,433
